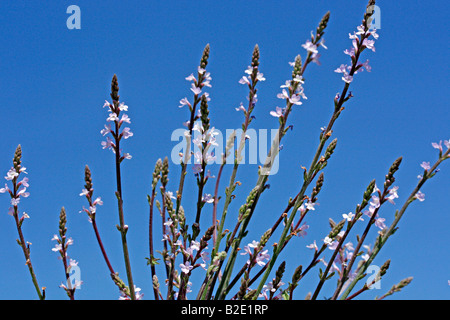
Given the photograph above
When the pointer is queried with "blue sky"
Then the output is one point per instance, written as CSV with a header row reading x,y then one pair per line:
x,y
54,82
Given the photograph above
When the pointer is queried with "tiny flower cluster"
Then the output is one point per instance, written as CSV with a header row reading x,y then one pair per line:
x,y
292,90
344,255
125,296
18,190
375,203
260,256
203,140
312,48
115,108
88,193
358,45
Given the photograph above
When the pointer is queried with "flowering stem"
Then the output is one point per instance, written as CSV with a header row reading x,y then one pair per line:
x,y
263,176
17,169
238,154
122,227
197,99
312,170
382,239
348,268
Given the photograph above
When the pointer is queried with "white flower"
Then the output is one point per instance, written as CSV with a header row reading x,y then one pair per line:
x,y
11,174
309,46
278,113
186,268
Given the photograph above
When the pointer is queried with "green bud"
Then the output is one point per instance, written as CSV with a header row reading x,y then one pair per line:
x,y
17,158
205,56
165,172
297,67
115,89
255,56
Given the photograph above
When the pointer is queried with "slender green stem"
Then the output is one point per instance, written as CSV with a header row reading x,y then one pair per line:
x,y
26,253
123,229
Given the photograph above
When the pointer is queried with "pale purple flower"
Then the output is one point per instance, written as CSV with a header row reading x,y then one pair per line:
x,y
11,174
315,58
22,192
97,201
127,156
309,46
190,77
420,196
57,248
195,245
108,143
184,102
353,36
106,130
24,182
244,80
253,244
5,189
200,70
127,133
379,222
283,95
210,157
301,232
261,257
260,76
295,99
369,44
447,143
367,66
375,202
278,113
123,107
249,70
196,90
112,117
327,240
347,78
425,165
437,145
107,104
197,168
374,33
241,108
392,194
312,246
310,205
207,198
125,118
341,69
348,216
186,268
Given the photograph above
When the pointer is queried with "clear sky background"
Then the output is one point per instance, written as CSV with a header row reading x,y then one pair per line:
x,y
54,82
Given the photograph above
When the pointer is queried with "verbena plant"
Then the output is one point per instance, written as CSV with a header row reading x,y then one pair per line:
x,y
188,247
